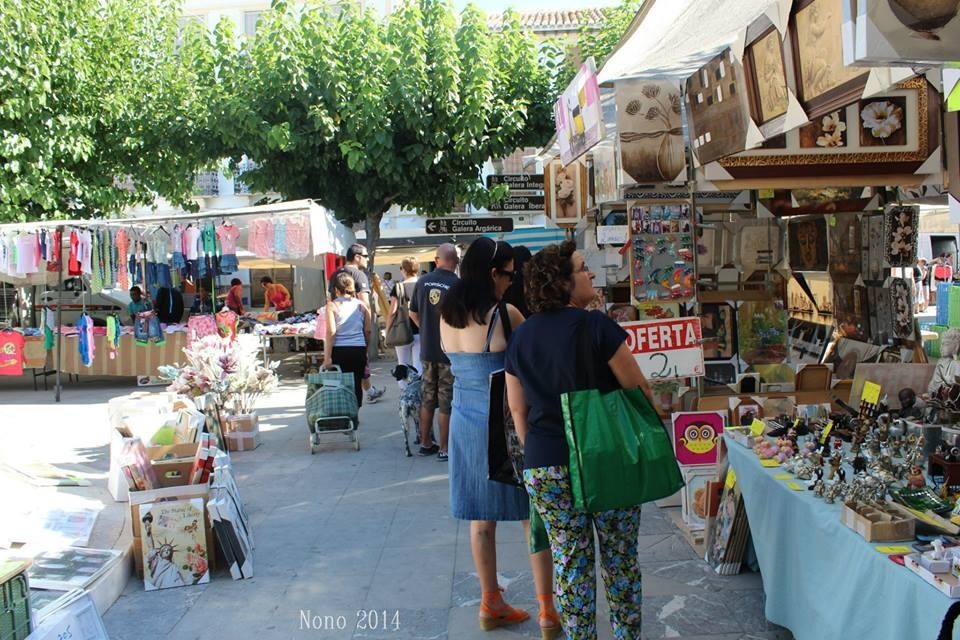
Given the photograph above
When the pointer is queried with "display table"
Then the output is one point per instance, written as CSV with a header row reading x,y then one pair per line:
x,y
821,579
132,359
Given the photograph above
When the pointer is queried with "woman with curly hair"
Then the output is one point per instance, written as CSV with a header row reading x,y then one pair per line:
x,y
541,364
474,326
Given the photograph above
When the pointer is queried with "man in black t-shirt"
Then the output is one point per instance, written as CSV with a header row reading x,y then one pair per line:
x,y
357,260
436,388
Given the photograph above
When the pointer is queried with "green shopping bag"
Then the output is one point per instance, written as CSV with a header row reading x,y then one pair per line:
x,y
538,531
620,454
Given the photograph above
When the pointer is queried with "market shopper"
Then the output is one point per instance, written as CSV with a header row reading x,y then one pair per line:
x,y
436,387
541,364
920,284
275,295
357,260
408,354
472,329
348,330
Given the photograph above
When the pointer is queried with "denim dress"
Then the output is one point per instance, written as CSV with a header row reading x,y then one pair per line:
x,y
472,495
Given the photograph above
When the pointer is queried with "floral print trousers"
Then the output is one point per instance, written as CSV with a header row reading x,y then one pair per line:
x,y
571,541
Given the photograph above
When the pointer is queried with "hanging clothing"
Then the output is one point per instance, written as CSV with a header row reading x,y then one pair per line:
x,y
53,251
227,322
11,353
109,273
86,251
228,234
123,250
192,243
73,264
208,236
49,323
200,327
113,335
260,237
96,264
280,238
28,253
85,343
146,328
298,237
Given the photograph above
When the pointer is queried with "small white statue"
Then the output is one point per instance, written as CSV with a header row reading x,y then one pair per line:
x,y
948,366
937,553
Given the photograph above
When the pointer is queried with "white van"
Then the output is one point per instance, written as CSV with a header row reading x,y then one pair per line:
x,y
75,298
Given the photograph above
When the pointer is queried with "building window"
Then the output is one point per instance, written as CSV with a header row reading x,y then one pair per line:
x,y
250,20
206,183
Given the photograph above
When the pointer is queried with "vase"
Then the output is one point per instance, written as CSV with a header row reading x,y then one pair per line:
x,y
925,16
670,157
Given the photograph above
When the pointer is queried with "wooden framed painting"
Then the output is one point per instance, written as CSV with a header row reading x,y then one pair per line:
x,y
565,191
766,77
808,246
823,82
717,110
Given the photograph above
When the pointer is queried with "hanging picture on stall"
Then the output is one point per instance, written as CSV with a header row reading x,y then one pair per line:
x,y
850,310
900,231
807,240
759,242
651,131
847,354
844,244
883,122
717,108
718,323
827,131
719,374
605,187
907,32
762,331
565,191
696,436
808,341
578,114
901,307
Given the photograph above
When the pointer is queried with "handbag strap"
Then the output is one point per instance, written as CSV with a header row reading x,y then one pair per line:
x,y
586,357
493,325
505,319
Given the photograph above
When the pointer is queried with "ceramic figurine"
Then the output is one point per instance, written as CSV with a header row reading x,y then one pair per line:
x,y
908,404
835,462
837,490
816,477
948,366
819,488
937,553
859,464
915,479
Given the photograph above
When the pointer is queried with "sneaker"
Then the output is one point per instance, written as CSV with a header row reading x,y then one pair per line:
x,y
429,451
442,456
375,394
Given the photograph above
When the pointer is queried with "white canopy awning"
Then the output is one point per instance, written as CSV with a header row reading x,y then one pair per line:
x,y
674,38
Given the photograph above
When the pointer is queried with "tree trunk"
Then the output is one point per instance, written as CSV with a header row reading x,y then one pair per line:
x,y
372,229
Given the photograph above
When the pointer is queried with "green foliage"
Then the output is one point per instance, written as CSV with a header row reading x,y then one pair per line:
x,y
91,94
600,43
360,112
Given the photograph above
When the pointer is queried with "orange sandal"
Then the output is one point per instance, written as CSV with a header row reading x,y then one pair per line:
x,y
491,618
550,625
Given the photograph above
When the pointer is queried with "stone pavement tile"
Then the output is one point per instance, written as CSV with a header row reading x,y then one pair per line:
x,y
698,574
325,558
513,554
158,611
691,614
417,529
663,548
402,624
747,608
412,578
517,585
327,594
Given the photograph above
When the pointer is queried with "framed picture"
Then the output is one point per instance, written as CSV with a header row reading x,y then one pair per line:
x,y
900,232
717,109
828,131
759,245
174,544
766,77
845,243
901,303
605,186
746,412
907,32
807,241
651,131
718,323
883,122
823,82
696,435
850,309
565,192
694,496
762,331
720,374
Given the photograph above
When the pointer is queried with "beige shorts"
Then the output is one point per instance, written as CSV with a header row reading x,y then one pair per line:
x,y
436,387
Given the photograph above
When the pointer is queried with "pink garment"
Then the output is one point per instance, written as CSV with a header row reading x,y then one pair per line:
x,y
201,327
192,243
28,258
123,251
298,237
228,234
260,238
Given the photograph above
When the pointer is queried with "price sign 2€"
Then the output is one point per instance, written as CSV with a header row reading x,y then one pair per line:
x,y
666,349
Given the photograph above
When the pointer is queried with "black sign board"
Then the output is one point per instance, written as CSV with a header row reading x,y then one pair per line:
x,y
519,203
453,226
517,182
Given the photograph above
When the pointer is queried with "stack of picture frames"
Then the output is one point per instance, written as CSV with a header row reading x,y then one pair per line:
x,y
696,440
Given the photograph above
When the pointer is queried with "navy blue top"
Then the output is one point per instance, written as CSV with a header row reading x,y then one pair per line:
x,y
427,297
543,354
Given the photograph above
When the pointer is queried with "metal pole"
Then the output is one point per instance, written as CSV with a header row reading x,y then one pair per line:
x,y
58,336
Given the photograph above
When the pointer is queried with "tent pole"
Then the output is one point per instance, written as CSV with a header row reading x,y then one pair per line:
x,y
59,335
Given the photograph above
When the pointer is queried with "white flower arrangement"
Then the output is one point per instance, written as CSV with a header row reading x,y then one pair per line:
x,y
833,128
882,118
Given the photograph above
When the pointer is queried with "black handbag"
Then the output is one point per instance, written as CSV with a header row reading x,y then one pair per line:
x,y
504,449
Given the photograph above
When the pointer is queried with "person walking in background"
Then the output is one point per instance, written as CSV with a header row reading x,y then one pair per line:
x,y
348,330
473,330
357,261
388,282
275,295
515,294
541,364
408,354
919,284
436,387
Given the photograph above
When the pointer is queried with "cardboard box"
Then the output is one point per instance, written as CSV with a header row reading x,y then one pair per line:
x,y
246,423
242,441
167,493
173,463
877,523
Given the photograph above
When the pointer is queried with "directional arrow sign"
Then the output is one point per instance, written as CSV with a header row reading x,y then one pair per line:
x,y
454,226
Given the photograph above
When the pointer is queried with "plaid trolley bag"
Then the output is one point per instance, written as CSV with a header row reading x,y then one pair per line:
x,y
331,406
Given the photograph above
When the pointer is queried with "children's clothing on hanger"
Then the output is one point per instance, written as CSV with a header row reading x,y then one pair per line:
x,y
298,237
178,262
227,322
86,251
28,253
73,263
11,353
53,251
201,326
192,243
227,234
113,335
260,237
146,328
123,249
85,343
96,264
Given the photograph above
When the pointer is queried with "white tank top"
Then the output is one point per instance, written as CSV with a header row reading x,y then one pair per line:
x,y
349,318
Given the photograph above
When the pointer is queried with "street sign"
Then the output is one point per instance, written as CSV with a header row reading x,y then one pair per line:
x,y
666,349
519,203
453,226
518,182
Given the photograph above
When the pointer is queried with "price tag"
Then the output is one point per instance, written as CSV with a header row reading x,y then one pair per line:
x,y
731,478
796,423
794,486
770,463
765,194
757,427
666,349
826,432
891,549
871,392
783,476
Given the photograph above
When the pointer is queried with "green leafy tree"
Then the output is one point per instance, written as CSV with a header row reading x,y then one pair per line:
x,y
360,112
92,101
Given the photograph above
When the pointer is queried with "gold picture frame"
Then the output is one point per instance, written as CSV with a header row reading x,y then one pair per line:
x,y
767,77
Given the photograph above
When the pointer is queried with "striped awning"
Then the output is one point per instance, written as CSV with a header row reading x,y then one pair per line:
x,y
533,238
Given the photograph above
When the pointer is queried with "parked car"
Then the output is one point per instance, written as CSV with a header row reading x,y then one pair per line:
x,y
75,297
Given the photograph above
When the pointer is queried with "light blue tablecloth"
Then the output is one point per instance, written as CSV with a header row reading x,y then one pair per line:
x,y
821,579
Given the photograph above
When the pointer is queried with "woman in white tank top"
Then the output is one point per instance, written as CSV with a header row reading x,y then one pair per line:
x,y
348,329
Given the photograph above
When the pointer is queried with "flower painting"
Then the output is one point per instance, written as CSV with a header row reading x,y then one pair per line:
x,y
901,303
830,131
762,329
900,232
882,122
651,131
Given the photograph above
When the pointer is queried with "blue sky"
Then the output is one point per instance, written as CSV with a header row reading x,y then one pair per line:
x,y
493,6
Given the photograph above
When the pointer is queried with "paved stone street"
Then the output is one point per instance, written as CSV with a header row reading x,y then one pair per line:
x,y
362,540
